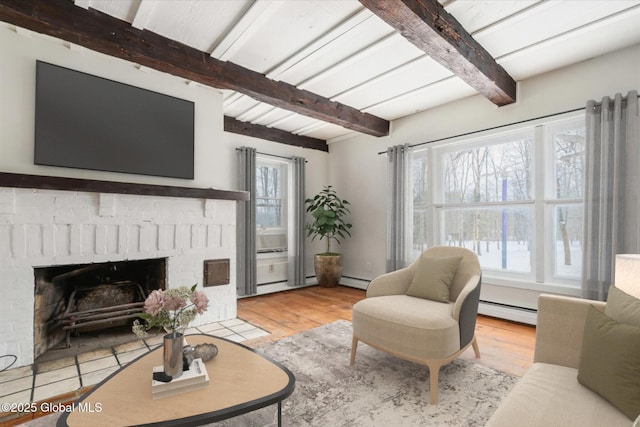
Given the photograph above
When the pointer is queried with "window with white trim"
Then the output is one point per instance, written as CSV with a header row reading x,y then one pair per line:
x,y
515,198
271,205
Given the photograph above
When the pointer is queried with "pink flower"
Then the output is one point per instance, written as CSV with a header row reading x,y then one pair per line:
x,y
154,302
174,302
200,301
171,309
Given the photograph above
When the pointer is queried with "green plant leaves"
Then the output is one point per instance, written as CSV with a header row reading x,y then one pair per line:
x,y
328,211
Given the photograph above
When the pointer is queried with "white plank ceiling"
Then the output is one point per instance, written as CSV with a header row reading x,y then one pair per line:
x,y
342,51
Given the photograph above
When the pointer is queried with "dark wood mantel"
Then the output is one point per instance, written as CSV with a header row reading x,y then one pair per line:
x,y
88,185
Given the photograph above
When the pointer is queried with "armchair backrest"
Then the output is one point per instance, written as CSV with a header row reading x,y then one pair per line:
x,y
469,266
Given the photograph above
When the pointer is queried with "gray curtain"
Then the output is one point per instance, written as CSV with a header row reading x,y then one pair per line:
x,y
397,206
246,224
297,274
611,204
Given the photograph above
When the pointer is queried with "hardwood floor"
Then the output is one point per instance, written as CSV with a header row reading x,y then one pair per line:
x,y
504,345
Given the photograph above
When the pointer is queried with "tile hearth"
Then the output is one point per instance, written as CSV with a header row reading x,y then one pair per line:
x,y
74,373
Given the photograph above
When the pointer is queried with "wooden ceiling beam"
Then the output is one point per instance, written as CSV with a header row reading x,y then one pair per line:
x,y
103,33
272,134
427,25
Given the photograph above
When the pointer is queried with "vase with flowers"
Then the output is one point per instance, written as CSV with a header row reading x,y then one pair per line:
x,y
173,310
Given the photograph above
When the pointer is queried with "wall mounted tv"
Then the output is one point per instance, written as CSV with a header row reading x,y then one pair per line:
x,y
87,122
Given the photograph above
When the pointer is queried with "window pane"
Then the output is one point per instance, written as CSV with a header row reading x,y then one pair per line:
x,y
498,172
268,212
270,195
501,237
569,165
421,223
421,226
568,241
268,181
419,179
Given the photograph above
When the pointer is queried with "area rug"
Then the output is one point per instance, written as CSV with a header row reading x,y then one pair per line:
x,y
379,390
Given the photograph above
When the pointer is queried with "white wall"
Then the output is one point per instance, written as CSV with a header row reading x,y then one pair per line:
x,y
17,108
359,173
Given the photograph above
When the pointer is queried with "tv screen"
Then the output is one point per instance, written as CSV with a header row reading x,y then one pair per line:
x,y
87,122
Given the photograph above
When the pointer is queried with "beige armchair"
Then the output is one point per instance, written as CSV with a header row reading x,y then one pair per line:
x,y
417,328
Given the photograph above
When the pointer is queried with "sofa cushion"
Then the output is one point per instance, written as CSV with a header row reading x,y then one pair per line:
x,y
623,307
550,395
610,361
433,278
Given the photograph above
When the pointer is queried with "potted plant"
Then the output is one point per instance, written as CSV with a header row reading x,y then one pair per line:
x,y
328,212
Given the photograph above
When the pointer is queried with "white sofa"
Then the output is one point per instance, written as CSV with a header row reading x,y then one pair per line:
x,y
549,394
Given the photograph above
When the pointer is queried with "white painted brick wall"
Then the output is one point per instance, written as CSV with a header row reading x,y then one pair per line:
x,y
7,200
40,228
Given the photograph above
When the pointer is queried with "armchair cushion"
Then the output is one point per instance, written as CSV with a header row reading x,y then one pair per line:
x,y
610,361
433,278
398,324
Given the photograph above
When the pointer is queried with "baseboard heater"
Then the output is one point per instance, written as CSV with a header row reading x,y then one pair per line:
x,y
277,282
355,282
508,312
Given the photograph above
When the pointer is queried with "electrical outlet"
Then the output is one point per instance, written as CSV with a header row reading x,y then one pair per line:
x,y
369,268
271,268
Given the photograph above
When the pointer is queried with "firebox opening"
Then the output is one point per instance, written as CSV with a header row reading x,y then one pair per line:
x,y
83,307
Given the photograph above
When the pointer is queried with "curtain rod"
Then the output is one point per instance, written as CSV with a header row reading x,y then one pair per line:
x,y
491,128
274,155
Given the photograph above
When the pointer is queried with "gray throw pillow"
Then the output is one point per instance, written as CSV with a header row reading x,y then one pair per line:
x,y
434,277
610,361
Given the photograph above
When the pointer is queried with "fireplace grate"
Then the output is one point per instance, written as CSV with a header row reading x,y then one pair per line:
x,y
102,306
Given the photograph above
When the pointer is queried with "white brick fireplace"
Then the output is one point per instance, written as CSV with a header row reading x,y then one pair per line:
x,y
41,227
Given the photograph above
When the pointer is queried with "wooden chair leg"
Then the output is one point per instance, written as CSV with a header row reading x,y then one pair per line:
x,y
476,349
434,372
354,347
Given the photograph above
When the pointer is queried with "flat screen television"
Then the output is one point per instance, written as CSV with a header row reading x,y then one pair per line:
x,y
88,122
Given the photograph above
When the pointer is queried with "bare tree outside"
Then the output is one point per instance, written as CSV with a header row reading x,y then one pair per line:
x,y
420,188
268,197
569,171
484,175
